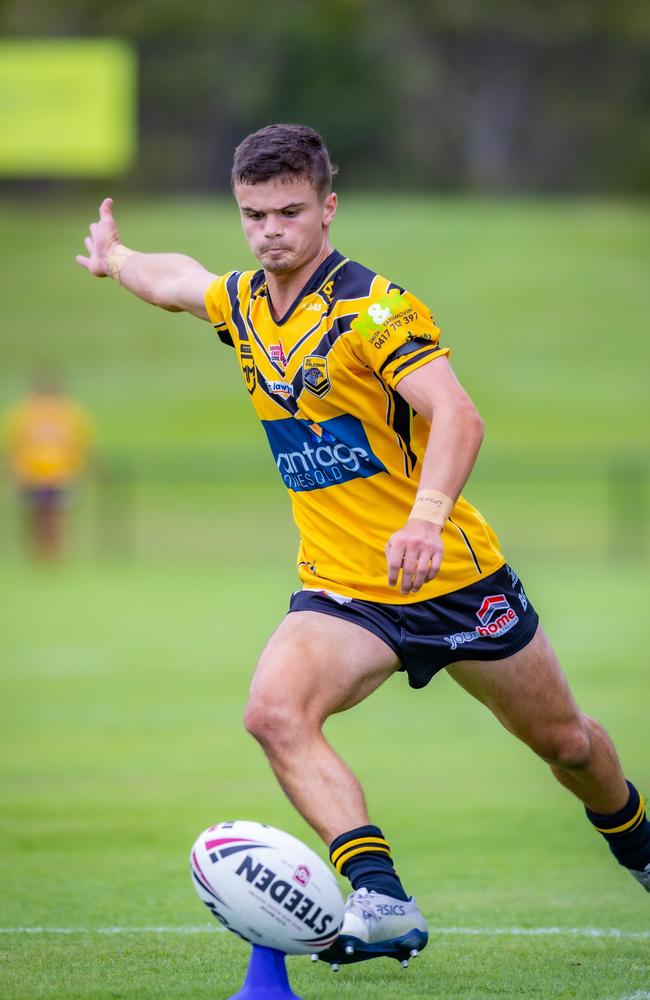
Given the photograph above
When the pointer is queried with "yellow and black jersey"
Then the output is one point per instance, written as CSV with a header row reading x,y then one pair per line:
x,y
324,382
47,438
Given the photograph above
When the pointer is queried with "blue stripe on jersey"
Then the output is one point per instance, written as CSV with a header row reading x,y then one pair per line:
x,y
352,281
231,288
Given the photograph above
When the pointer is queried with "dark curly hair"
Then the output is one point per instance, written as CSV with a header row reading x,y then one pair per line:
x,y
290,150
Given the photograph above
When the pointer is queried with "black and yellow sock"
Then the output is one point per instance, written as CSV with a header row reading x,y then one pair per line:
x,y
363,856
627,831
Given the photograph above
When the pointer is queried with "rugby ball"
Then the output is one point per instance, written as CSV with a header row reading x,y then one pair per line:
x,y
267,887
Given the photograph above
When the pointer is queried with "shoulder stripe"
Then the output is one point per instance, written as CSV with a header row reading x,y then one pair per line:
x,y
354,281
232,288
258,279
410,347
337,267
416,357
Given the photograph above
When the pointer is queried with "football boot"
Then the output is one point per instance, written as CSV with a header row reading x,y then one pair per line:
x,y
643,877
376,926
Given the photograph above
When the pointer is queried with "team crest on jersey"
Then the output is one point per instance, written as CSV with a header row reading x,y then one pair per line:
x,y
315,375
248,366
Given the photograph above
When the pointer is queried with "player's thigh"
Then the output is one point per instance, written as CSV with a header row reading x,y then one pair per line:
x,y
320,664
527,691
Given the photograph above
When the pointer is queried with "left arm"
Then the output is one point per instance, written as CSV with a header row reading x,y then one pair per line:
x,y
454,441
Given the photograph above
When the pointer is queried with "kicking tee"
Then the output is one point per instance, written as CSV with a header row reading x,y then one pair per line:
x,y
324,382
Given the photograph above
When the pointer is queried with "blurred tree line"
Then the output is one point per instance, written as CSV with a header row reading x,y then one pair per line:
x,y
486,95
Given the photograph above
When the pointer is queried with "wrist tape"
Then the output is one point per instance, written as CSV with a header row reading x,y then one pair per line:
x,y
115,260
433,506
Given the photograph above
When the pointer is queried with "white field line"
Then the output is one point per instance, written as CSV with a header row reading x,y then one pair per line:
x,y
589,932
579,932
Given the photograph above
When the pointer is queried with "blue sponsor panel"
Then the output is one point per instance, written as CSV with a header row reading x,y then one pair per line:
x,y
314,457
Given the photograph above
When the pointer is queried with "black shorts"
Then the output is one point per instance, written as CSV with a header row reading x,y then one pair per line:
x,y
44,497
488,620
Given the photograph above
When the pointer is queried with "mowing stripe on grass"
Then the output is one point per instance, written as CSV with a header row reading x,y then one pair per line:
x,y
586,932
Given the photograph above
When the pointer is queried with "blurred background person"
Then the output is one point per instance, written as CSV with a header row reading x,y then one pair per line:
x,y
47,437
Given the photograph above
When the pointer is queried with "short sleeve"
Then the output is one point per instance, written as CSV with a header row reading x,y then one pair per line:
x,y
396,335
217,304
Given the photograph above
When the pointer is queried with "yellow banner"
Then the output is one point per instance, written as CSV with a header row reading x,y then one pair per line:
x,y
68,107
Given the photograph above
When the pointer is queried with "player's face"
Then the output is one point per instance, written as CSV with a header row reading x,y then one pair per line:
x,y
284,221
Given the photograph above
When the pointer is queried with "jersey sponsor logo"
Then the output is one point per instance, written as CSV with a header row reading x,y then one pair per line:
x,y
309,461
282,388
378,313
315,375
496,618
248,366
379,338
277,355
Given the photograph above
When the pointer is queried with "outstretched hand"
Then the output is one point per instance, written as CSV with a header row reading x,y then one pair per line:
x,y
103,236
416,550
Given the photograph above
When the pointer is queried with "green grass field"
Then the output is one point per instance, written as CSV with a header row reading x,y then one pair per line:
x,y
124,674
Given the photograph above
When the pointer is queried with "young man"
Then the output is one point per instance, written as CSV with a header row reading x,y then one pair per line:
x,y
374,438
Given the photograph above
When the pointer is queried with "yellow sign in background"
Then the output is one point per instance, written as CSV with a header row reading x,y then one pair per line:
x,y
67,107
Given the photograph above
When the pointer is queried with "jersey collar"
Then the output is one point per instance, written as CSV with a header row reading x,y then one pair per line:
x,y
318,278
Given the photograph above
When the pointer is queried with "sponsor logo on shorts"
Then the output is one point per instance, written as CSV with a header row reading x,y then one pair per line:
x,y
496,618
489,608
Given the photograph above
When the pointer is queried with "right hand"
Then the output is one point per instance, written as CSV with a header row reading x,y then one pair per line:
x,y
103,236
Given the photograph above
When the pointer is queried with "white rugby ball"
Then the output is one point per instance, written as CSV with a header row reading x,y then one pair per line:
x,y
267,887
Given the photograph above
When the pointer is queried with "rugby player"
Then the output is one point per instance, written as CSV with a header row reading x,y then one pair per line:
x,y
374,439
48,437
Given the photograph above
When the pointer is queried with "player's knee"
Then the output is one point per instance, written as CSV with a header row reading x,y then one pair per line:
x,y
272,722
568,747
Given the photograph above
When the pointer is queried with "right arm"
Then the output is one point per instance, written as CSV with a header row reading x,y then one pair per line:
x,y
169,280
